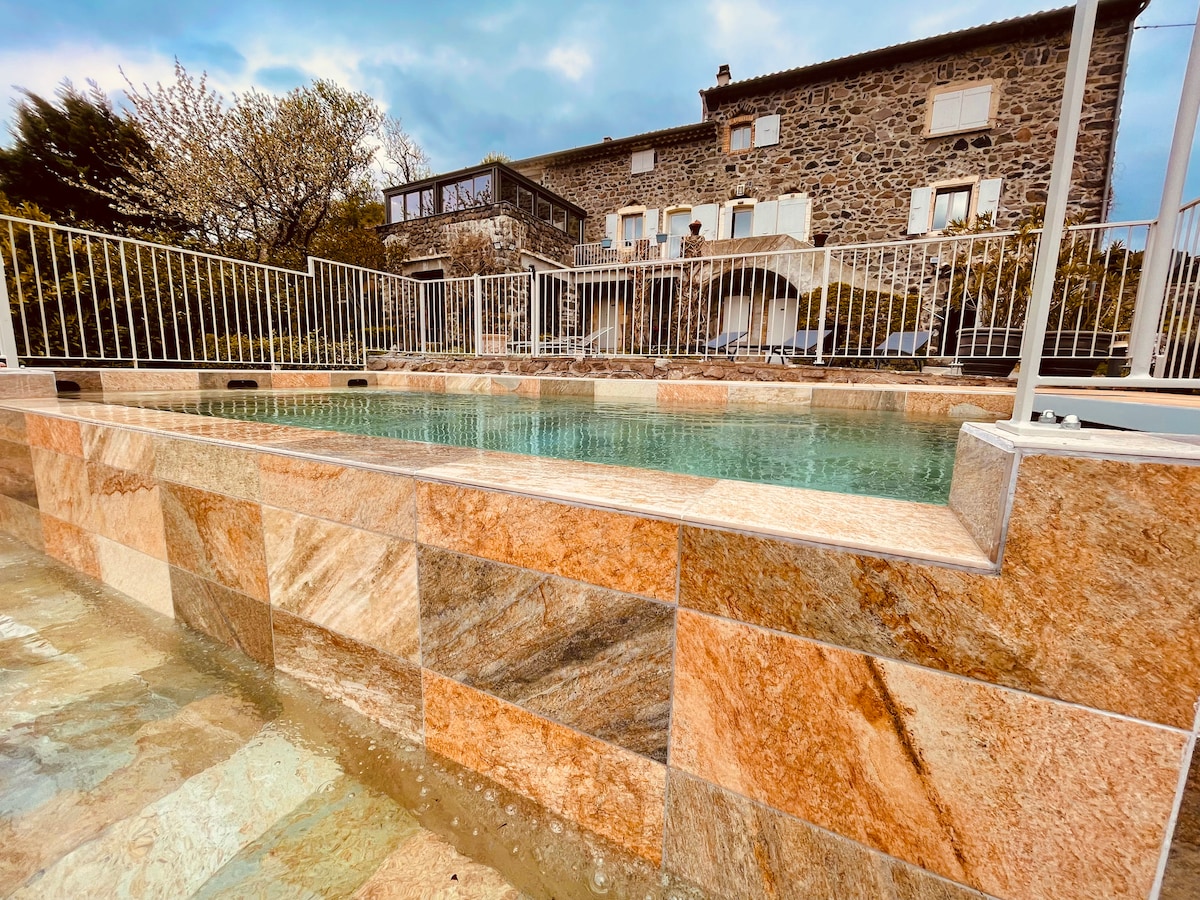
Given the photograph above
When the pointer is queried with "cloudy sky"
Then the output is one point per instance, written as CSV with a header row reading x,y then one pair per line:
x,y
529,76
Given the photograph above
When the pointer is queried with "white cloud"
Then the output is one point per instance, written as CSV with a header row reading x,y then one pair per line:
x,y
571,61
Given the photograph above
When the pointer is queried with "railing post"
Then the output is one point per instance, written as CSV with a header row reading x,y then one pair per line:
x,y
824,308
8,334
362,317
535,314
1042,290
129,307
1160,244
422,317
270,320
477,303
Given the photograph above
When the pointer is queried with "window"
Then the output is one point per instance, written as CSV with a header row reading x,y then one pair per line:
x,y
677,228
935,207
742,223
739,137
964,109
951,205
631,228
642,161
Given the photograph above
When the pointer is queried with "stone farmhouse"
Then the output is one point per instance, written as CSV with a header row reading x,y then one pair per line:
x,y
887,145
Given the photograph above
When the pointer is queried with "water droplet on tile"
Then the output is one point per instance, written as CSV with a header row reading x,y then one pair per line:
x,y
556,827
489,795
516,850
424,792
511,809
454,822
475,832
420,778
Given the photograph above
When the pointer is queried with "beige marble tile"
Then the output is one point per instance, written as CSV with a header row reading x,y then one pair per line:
x,y
234,432
594,659
959,404
357,583
230,617
12,426
53,433
71,545
742,850
914,530
135,574
300,380
391,454
26,383
638,490
126,507
418,381
1015,795
566,387
121,380
121,448
21,521
623,552
979,491
626,390
16,473
378,685
692,393
858,398
377,501
611,791
62,487
773,394
208,466
216,537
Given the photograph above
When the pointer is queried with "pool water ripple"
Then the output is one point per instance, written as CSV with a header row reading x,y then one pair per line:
x,y
876,453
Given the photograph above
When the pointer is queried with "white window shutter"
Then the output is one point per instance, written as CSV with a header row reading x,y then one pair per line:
x,y
989,197
766,215
976,109
766,131
650,228
794,218
610,225
725,229
918,210
642,161
947,112
707,216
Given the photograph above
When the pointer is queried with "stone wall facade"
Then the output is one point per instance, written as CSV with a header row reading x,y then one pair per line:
x,y
853,136
511,231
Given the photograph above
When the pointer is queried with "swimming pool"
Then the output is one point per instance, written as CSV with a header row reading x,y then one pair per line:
x,y
875,453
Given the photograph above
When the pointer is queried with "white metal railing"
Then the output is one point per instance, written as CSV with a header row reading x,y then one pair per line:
x,y
81,297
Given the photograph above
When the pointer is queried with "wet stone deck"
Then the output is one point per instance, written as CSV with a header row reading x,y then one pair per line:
x,y
138,759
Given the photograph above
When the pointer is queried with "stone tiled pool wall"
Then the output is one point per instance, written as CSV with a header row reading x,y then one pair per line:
x,y
767,690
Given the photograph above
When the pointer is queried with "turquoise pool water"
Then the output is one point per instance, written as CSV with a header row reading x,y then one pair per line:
x,y
881,454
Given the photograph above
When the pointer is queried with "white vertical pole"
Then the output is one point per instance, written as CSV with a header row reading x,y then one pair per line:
x,y
8,335
535,315
824,308
477,292
1056,209
1157,263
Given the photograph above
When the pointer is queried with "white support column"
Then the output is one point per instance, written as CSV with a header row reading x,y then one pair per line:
x,y
477,303
8,335
1156,266
824,308
1056,208
535,315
